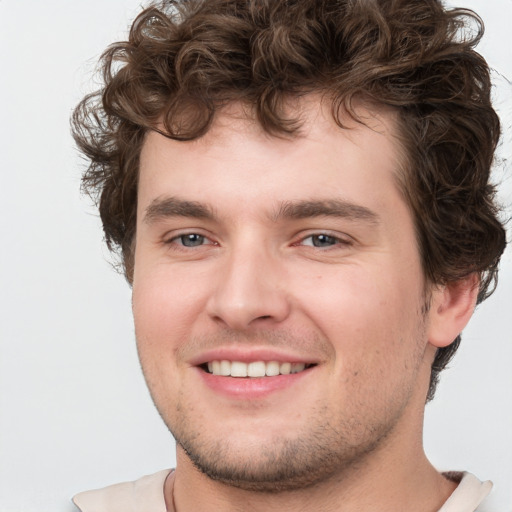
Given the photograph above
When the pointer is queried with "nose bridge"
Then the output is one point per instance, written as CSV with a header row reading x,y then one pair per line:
x,y
249,286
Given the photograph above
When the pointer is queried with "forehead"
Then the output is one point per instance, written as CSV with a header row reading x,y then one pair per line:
x,y
314,117
320,160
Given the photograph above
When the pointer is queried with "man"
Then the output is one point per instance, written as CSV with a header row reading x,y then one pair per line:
x,y
300,195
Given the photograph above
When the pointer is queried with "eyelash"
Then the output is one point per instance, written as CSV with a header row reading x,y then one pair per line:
x,y
335,240
175,240
178,241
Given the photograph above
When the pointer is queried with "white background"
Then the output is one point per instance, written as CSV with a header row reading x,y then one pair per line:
x,y
74,411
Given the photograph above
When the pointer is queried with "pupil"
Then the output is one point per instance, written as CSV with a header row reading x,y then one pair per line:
x,y
323,240
192,240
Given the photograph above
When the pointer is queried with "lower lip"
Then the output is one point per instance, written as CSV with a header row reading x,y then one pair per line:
x,y
251,388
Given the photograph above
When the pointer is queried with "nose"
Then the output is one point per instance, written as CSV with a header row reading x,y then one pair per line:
x,y
249,290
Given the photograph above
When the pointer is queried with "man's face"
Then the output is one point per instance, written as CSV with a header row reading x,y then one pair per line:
x,y
266,255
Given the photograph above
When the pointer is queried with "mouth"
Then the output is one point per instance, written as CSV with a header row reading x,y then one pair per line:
x,y
254,369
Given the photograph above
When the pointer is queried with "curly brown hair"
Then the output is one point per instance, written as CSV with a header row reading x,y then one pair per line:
x,y
185,60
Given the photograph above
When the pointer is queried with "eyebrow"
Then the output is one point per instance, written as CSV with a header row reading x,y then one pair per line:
x,y
326,208
162,208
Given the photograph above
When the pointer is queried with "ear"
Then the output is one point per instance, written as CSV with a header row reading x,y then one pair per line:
x,y
452,306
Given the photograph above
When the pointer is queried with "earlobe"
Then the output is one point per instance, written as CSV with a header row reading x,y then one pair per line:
x,y
451,308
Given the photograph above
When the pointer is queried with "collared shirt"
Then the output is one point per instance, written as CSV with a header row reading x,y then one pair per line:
x,y
147,495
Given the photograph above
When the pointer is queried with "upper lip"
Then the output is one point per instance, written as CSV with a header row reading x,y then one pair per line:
x,y
246,355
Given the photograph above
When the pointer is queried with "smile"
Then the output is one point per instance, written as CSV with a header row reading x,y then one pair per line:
x,y
255,369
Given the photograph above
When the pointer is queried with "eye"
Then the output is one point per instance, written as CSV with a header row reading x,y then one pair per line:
x,y
190,240
322,240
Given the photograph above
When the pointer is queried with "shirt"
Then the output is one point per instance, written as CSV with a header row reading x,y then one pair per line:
x,y
147,495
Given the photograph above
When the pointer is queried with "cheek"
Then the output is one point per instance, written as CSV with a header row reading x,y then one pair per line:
x,y
367,316
162,311
165,304
376,331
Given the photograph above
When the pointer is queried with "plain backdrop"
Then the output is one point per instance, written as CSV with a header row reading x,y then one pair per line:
x,y
74,410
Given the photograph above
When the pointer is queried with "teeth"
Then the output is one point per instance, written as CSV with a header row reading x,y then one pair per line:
x,y
272,369
254,369
297,367
285,368
237,369
225,368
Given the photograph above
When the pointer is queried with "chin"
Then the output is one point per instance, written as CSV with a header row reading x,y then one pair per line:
x,y
277,464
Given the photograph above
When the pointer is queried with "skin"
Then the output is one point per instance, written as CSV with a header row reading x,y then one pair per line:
x,y
341,288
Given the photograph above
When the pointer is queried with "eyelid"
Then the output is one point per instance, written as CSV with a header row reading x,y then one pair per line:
x,y
171,236
341,238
